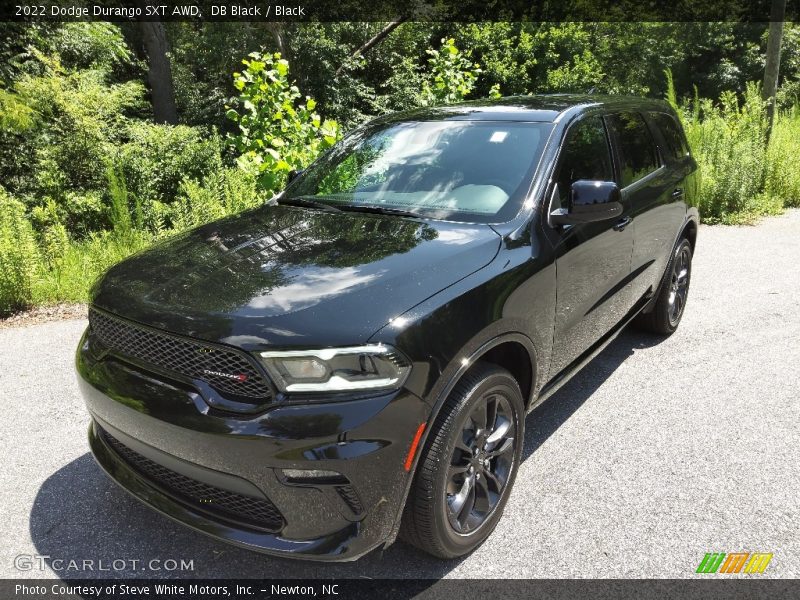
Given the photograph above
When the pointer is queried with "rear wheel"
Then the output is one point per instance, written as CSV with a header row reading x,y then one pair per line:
x,y
671,302
468,465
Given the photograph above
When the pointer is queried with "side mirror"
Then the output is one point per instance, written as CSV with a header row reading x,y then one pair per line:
x,y
294,174
591,201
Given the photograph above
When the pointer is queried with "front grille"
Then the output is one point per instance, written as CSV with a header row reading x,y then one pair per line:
x,y
256,512
226,370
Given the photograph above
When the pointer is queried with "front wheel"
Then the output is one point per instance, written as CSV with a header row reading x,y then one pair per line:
x,y
468,465
671,302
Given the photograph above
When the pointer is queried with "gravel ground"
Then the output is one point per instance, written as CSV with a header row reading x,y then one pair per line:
x,y
658,452
44,314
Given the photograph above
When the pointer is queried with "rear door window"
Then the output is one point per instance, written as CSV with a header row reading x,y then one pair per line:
x,y
638,154
671,131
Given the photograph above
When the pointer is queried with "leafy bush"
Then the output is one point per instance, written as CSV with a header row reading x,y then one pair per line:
x,y
19,256
91,45
79,212
156,158
15,115
278,131
783,159
80,119
218,194
728,140
452,75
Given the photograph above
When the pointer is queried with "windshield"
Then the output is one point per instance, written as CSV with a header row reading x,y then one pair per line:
x,y
473,171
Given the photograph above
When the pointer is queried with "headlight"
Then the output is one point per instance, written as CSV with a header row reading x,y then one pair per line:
x,y
370,367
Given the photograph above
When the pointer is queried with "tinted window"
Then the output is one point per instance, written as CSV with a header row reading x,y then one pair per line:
x,y
585,156
456,170
671,131
637,152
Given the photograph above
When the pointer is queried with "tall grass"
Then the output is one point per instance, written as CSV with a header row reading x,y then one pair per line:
x,y
69,278
740,176
43,264
782,179
20,259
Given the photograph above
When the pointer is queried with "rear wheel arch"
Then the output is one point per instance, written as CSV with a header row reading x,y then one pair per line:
x,y
690,233
687,232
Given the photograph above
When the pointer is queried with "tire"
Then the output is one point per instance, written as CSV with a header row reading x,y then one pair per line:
x,y
432,520
670,304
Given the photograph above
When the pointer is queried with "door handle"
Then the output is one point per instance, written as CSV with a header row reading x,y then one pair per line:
x,y
623,223
677,193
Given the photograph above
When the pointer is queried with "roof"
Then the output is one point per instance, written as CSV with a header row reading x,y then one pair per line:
x,y
540,108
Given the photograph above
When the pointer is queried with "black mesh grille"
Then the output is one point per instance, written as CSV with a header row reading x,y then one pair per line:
x,y
258,512
224,369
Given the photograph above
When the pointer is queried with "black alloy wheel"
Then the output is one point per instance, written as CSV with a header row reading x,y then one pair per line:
x,y
467,467
679,283
481,463
670,303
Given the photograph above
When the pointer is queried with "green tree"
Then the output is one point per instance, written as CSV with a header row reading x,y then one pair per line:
x,y
278,128
452,75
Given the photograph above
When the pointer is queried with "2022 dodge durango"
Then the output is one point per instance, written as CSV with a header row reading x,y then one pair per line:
x,y
355,359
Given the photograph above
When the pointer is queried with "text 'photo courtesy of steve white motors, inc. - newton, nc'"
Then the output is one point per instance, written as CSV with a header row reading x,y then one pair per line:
x,y
165,590
155,10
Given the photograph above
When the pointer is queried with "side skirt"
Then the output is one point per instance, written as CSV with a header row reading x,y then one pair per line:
x,y
552,386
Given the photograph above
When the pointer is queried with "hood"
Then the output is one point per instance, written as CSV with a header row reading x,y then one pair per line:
x,y
285,276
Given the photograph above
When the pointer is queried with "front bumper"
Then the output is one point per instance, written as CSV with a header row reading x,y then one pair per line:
x,y
212,462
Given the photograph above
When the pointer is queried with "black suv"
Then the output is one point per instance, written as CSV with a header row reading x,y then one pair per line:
x,y
355,358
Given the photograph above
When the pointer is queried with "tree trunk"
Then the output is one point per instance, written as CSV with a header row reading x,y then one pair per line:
x,y
770,87
159,74
374,41
277,34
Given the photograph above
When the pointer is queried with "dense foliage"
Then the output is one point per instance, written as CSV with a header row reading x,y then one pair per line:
x,y
87,177
452,75
278,130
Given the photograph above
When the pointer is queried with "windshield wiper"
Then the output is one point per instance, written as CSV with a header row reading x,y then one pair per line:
x,y
381,210
307,204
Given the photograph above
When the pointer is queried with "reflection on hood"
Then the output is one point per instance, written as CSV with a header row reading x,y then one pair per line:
x,y
279,273
311,285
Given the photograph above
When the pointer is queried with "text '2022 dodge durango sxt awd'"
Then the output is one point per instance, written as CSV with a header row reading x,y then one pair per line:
x,y
354,359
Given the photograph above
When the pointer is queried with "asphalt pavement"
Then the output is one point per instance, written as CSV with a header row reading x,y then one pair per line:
x,y
656,453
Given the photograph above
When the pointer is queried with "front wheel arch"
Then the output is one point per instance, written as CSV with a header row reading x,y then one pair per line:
x,y
504,350
454,373
424,524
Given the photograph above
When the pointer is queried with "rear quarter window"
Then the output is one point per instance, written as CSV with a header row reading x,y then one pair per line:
x,y
672,133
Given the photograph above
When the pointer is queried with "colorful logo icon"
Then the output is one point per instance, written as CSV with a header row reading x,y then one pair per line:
x,y
735,562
